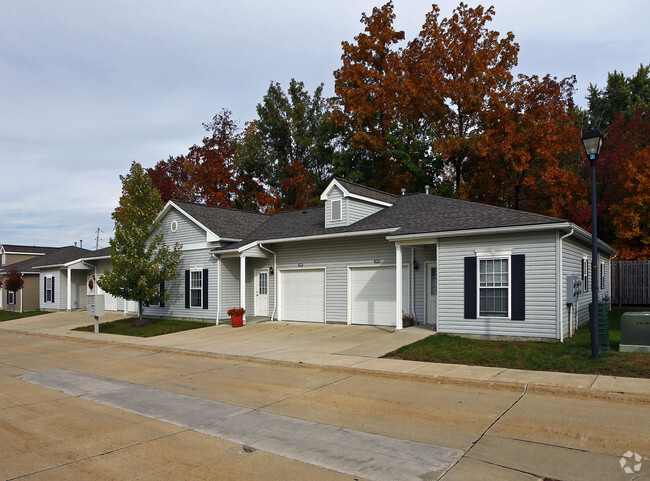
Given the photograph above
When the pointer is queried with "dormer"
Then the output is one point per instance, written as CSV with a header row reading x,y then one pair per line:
x,y
347,203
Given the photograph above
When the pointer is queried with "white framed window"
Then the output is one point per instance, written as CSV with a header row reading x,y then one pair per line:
x,y
196,288
11,297
585,274
494,287
173,226
602,275
48,289
336,210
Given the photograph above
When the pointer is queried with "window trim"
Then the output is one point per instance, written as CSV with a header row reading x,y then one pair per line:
x,y
602,275
585,274
49,290
480,258
338,210
200,288
11,298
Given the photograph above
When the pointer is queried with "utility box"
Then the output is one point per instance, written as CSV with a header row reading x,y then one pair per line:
x,y
635,332
95,305
573,289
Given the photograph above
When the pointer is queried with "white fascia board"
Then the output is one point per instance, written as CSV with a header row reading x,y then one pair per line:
x,y
25,253
308,238
586,236
346,193
491,230
209,235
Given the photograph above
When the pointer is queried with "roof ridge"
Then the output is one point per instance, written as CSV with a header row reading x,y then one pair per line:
x,y
365,187
232,209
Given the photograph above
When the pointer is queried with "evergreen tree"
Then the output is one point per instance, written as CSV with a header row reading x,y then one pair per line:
x,y
140,263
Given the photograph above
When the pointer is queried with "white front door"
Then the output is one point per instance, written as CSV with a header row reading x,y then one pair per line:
x,y
261,292
432,291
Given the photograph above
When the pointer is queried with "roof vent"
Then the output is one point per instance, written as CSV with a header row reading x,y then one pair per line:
x,y
426,189
403,190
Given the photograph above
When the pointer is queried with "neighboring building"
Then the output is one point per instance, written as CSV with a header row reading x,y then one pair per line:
x,y
65,278
10,253
368,257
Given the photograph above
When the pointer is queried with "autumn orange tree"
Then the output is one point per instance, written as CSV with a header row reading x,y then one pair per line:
x,y
455,67
526,154
623,171
368,86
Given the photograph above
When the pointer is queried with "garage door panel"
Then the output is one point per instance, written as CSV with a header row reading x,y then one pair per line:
x,y
303,295
372,295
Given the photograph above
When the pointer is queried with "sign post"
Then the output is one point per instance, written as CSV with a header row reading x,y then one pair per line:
x,y
95,305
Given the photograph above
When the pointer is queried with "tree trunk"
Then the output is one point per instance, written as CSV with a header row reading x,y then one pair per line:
x,y
140,310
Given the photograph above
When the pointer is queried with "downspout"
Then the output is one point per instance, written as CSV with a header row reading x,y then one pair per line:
x,y
412,282
275,279
610,279
218,288
559,290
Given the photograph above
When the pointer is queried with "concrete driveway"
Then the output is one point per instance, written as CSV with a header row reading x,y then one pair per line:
x,y
322,344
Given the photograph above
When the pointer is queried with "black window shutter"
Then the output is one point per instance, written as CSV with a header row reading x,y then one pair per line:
x,y
518,287
52,288
162,293
470,287
205,288
187,289
44,289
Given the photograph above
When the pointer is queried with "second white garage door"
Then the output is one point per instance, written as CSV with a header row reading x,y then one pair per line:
x,y
302,295
372,295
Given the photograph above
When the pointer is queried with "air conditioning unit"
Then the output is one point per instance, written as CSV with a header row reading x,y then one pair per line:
x,y
635,332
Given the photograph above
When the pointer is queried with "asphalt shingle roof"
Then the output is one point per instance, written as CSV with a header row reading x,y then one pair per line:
x,y
63,256
367,191
228,223
13,249
410,214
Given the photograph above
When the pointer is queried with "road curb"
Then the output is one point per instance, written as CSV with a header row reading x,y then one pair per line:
x,y
536,388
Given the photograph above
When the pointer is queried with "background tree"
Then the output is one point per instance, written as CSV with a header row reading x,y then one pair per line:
x,y
621,96
140,263
291,139
367,86
14,282
453,70
172,179
527,153
211,166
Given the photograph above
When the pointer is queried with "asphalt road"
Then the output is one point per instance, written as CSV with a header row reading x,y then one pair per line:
x,y
75,409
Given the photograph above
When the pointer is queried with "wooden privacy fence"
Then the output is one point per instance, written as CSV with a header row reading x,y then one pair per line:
x,y
631,283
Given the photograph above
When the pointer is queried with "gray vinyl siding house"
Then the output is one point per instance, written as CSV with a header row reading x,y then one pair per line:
x,y
372,258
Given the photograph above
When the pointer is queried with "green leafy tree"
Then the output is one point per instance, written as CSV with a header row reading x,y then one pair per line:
x,y
140,263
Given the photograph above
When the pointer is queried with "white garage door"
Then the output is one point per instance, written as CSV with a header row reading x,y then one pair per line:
x,y
372,295
302,295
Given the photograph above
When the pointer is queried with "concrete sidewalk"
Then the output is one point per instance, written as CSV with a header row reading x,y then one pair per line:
x,y
354,348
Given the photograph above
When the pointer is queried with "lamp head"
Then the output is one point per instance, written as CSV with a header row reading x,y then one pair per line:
x,y
592,140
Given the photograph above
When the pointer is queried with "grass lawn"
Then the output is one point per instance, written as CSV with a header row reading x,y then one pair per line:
x,y
9,315
154,327
574,355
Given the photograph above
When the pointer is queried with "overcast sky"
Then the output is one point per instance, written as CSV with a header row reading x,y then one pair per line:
x,y
88,86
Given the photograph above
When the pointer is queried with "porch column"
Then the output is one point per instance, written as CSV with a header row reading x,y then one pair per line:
x,y
398,286
69,293
242,283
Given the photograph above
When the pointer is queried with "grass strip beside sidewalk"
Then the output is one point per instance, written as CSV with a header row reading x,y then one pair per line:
x,y
151,327
572,356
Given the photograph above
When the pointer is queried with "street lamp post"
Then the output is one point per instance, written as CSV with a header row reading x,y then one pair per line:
x,y
592,141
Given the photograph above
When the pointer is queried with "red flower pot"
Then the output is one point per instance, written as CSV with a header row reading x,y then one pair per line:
x,y
237,320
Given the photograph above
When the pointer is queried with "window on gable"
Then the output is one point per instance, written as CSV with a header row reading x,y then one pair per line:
x,y
196,288
494,287
336,210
